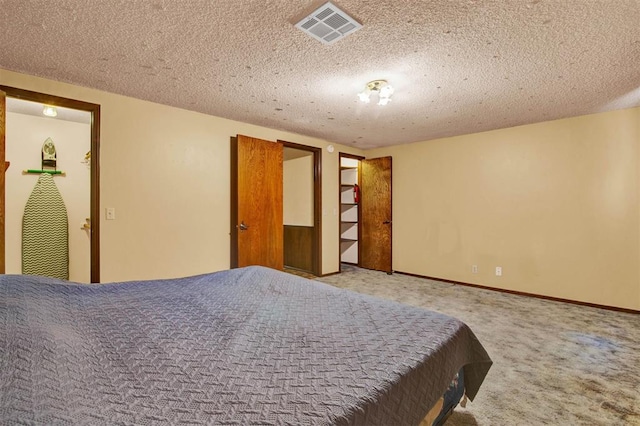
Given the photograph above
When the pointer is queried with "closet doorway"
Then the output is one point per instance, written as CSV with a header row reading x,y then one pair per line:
x,y
302,208
365,212
75,133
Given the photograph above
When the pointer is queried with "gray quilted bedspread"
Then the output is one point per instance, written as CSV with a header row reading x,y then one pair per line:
x,y
246,346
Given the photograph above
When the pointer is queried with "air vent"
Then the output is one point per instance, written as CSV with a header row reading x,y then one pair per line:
x,y
328,24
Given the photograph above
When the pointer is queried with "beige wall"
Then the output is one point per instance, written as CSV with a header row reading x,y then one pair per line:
x,y
555,204
166,172
24,138
298,191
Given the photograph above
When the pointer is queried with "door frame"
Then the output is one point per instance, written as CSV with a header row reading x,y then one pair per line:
x,y
317,202
342,155
94,109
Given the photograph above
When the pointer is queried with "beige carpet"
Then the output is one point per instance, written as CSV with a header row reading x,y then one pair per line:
x,y
299,273
554,363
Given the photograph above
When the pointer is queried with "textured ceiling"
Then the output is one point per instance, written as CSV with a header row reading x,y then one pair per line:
x,y
457,66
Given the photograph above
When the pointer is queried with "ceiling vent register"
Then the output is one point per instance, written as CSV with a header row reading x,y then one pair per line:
x,y
328,24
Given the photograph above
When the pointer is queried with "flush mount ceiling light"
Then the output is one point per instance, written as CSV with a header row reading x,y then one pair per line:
x,y
381,87
49,111
328,24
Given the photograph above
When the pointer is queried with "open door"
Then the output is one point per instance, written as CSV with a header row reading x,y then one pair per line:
x,y
375,237
3,166
94,164
256,203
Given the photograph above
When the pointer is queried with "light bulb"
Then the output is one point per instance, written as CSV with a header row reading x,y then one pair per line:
x,y
378,87
364,97
49,111
386,91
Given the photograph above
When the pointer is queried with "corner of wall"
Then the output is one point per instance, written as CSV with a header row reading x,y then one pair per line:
x,y
637,111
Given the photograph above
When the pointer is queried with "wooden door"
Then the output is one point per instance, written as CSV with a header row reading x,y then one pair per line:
x,y
3,168
375,205
256,203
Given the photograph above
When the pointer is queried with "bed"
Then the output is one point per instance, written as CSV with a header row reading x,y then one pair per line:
x,y
248,346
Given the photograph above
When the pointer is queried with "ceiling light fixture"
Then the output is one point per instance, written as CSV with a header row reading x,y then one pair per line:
x,y
49,111
381,87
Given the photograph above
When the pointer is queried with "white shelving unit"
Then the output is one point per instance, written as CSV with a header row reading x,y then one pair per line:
x,y
348,211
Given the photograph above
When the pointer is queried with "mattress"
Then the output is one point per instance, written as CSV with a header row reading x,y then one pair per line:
x,y
245,346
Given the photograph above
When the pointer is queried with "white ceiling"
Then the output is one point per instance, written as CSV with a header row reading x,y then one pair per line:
x,y
293,153
21,106
458,67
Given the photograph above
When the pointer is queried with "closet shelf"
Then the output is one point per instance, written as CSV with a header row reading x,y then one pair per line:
x,y
349,211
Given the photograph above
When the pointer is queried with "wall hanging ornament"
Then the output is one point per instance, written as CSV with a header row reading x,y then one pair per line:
x,y
49,160
49,155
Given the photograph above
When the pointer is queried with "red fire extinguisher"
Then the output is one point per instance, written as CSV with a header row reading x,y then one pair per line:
x,y
356,193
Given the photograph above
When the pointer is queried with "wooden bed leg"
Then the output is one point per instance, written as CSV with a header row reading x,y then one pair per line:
x,y
433,414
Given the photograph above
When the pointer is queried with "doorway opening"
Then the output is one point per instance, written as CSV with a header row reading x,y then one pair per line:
x,y
76,129
302,210
350,212
365,212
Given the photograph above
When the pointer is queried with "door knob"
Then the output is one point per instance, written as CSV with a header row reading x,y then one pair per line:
x,y
243,227
386,222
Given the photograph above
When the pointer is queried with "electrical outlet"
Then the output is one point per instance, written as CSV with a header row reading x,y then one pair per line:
x,y
474,269
498,271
